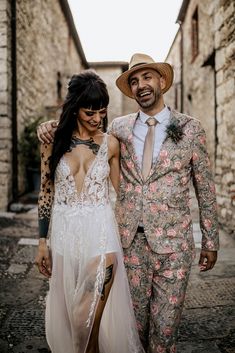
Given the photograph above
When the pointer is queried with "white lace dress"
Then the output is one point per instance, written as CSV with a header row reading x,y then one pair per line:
x,y
83,231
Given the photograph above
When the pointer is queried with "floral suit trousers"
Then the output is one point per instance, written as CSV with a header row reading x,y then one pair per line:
x,y
158,283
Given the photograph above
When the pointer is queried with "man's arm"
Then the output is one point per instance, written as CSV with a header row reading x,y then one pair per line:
x,y
46,131
205,193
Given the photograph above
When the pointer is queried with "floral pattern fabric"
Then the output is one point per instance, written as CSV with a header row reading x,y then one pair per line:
x,y
158,283
161,203
158,261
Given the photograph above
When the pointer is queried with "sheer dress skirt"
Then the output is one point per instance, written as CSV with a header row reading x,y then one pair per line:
x,y
80,239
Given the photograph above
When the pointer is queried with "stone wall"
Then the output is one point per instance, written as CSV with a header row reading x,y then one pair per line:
x,y
209,89
224,26
173,96
199,91
45,46
48,51
198,81
5,105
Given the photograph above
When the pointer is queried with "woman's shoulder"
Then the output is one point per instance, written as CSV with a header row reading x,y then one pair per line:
x,y
112,140
113,144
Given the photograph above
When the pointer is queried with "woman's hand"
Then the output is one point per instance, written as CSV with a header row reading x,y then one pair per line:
x,y
43,258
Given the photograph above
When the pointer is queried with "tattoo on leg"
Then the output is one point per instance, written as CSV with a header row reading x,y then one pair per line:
x,y
90,285
108,276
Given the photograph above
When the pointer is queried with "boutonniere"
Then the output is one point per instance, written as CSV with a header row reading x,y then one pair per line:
x,y
174,131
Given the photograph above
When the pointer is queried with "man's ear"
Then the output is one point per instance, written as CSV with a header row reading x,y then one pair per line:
x,y
162,82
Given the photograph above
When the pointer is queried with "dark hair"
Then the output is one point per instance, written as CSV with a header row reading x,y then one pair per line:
x,y
85,90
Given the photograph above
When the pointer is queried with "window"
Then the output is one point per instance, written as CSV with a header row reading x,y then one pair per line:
x,y
195,39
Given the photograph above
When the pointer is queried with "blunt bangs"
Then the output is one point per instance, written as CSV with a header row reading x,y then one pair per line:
x,y
94,97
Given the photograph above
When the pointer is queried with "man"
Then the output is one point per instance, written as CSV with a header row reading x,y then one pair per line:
x,y
161,152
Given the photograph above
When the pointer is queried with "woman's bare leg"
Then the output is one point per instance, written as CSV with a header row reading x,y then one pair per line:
x,y
93,345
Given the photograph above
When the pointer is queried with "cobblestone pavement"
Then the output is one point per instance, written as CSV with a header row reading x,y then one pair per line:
x,y
208,322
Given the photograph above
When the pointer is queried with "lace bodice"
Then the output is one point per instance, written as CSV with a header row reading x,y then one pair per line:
x,y
95,185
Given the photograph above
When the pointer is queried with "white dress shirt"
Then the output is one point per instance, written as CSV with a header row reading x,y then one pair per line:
x,y
140,131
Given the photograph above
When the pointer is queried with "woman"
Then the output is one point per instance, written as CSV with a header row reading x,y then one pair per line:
x,y
88,307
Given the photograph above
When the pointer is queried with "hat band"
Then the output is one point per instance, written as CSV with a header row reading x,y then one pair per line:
x,y
137,65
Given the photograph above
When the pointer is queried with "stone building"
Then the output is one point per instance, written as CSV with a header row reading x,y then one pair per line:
x,y
203,56
39,51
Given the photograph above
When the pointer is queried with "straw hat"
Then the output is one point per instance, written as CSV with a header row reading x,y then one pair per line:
x,y
142,61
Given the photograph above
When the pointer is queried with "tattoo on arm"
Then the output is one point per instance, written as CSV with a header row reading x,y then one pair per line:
x,y
46,195
43,225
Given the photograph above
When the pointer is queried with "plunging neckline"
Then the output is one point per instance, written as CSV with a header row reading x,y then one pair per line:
x,y
63,158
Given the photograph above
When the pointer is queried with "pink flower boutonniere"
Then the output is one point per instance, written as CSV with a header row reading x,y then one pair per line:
x,y
174,131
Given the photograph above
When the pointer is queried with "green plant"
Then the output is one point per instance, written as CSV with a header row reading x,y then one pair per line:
x,y
29,146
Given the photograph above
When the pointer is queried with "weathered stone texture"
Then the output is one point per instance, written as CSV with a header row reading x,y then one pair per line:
x,y
45,46
173,96
225,177
199,81
5,104
3,5
3,81
209,91
3,39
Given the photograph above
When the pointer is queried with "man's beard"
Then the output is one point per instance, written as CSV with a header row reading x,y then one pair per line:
x,y
153,101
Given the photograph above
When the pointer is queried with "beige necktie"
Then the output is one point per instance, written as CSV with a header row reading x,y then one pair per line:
x,y
148,147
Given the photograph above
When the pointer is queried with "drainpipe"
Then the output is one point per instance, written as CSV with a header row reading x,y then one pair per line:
x,y
182,68
215,113
14,102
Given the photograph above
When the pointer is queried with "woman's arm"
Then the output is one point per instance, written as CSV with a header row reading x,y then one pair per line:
x,y
45,200
114,161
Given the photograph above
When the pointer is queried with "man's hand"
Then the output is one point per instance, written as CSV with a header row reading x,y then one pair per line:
x,y
207,260
46,131
43,258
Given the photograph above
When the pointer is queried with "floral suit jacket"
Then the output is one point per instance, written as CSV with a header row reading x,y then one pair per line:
x,y
162,201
